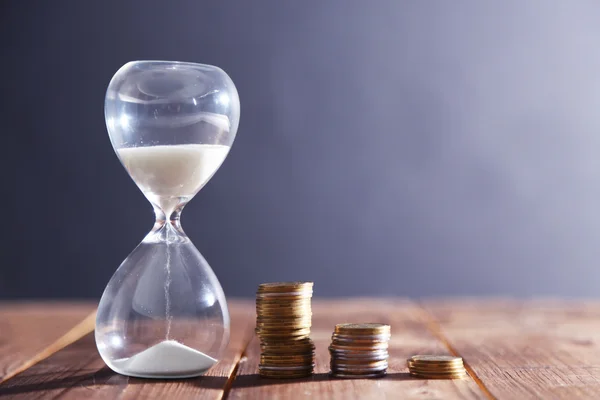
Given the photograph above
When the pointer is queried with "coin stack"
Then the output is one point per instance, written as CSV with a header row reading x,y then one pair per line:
x,y
359,350
283,320
437,367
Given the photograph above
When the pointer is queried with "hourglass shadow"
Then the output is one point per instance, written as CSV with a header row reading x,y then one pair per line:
x,y
44,382
96,381
106,377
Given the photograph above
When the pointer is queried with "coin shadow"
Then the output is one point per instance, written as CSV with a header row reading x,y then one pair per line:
x,y
255,380
400,376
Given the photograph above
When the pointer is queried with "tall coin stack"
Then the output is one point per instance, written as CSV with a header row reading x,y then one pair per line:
x,y
283,321
359,350
437,367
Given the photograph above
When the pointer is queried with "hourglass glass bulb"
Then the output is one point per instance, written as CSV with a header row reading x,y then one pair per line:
x,y
163,314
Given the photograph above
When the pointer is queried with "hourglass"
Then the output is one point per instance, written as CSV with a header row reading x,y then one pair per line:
x,y
163,314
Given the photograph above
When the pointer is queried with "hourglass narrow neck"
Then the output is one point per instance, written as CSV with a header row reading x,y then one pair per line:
x,y
166,229
173,218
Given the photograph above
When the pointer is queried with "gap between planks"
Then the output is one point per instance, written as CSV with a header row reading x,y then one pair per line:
x,y
435,329
74,334
234,371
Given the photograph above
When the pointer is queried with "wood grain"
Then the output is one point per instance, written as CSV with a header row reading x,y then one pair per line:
x,y
516,349
30,332
78,372
410,336
526,350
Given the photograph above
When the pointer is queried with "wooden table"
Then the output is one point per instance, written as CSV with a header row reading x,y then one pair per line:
x,y
513,350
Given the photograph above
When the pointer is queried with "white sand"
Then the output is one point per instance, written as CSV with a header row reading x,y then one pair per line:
x,y
166,173
168,359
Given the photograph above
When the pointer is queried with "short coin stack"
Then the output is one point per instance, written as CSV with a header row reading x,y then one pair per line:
x,y
283,321
359,350
437,367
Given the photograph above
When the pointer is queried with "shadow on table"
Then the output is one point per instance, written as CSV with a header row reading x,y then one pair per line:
x,y
103,377
254,380
106,377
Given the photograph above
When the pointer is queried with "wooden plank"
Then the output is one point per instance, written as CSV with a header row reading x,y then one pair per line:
x,y
526,350
410,335
78,372
30,332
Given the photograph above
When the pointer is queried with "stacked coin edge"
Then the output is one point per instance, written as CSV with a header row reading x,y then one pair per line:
x,y
283,322
436,367
359,350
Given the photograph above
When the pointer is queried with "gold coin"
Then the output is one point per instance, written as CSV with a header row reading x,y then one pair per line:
x,y
359,357
292,309
304,354
430,371
362,329
287,342
295,314
283,309
279,333
359,346
279,320
269,316
282,320
278,356
432,359
284,330
284,326
342,337
360,340
283,303
283,286
364,357
435,367
361,349
439,376
295,343
287,349
285,364
284,298
440,368
292,312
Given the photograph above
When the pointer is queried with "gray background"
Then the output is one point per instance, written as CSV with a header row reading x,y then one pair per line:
x,y
385,147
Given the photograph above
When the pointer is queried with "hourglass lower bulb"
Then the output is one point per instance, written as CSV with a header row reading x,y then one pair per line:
x,y
163,314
